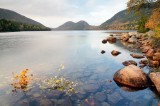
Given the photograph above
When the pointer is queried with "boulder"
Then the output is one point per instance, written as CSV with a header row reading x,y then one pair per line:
x,y
145,49
132,40
104,41
142,65
102,51
156,57
153,63
150,53
129,62
145,43
137,56
138,36
111,39
115,53
155,78
131,76
143,62
132,33
125,37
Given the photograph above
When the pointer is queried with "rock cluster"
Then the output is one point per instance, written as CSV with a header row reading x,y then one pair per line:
x,y
133,76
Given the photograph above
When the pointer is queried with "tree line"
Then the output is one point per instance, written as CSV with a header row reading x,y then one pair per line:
x,y
12,26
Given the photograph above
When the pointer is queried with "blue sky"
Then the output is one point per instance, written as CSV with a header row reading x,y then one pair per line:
x,y
53,13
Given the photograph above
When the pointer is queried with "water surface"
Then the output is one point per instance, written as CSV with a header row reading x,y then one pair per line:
x,y
80,52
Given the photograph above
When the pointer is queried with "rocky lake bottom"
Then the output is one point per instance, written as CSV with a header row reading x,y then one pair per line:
x,y
80,53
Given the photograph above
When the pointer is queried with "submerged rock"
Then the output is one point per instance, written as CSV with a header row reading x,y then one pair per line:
x,y
115,53
46,102
24,102
137,56
100,96
131,76
114,98
91,88
129,62
36,95
155,78
105,104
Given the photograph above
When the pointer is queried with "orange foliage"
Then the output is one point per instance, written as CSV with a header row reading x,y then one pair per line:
x,y
154,19
157,31
21,81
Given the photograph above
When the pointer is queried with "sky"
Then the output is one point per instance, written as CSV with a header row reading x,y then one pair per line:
x,y
53,13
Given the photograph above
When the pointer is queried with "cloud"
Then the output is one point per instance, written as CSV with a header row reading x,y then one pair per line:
x,y
53,13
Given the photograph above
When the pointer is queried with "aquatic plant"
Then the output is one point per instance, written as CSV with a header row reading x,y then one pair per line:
x,y
59,83
21,81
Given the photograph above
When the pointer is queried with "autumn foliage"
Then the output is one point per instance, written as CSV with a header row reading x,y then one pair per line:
x,y
154,20
21,81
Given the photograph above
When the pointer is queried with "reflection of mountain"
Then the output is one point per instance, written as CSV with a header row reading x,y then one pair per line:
x,y
81,25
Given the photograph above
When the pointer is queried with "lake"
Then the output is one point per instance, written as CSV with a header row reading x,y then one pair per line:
x,y
80,53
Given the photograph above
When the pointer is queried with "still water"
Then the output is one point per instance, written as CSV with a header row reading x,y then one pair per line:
x,y
80,53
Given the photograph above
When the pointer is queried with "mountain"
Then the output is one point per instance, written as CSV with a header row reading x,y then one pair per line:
x,y
127,20
81,25
11,21
13,16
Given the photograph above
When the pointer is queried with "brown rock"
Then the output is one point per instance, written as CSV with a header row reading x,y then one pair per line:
x,y
131,76
155,78
145,62
125,37
132,40
156,57
111,39
137,56
150,53
142,65
145,49
154,63
115,53
129,62
104,41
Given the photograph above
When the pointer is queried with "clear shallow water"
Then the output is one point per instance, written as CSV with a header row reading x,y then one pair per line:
x,y
79,51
